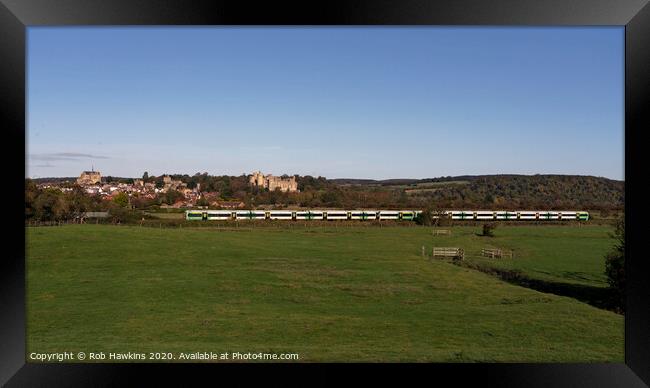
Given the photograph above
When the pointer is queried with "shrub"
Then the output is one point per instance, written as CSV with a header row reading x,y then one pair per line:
x,y
424,218
615,265
488,229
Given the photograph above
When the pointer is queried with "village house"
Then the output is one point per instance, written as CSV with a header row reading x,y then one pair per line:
x,y
228,204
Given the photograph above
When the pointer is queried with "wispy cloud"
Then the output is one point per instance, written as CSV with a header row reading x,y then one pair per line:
x,y
65,156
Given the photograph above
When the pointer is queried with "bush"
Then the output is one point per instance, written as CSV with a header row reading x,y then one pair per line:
x,y
433,216
124,215
442,218
488,229
615,265
424,218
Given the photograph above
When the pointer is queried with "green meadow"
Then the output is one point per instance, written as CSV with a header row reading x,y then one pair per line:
x,y
329,294
566,254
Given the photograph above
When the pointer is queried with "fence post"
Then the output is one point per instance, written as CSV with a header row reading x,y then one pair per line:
x,y
423,251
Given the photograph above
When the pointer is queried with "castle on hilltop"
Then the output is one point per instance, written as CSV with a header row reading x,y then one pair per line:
x,y
89,178
271,182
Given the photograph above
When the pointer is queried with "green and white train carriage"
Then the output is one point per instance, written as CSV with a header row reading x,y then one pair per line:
x,y
506,215
309,215
369,215
329,215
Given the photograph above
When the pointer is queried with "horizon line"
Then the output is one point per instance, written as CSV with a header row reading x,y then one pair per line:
x,y
368,179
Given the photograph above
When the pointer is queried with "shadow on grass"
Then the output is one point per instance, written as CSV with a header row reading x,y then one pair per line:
x,y
600,297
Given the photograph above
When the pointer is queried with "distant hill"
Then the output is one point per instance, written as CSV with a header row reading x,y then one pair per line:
x,y
54,180
403,181
507,190
57,180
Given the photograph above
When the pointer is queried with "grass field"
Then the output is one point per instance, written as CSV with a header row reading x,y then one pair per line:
x,y
344,294
567,254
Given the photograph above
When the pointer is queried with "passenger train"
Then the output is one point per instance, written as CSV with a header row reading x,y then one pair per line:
x,y
365,215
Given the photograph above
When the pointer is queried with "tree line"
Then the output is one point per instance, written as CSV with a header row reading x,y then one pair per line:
x,y
552,192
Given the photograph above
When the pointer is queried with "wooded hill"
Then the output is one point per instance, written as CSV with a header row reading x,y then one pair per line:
x,y
506,191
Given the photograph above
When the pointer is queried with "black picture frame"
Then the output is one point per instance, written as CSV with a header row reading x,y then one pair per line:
x,y
17,15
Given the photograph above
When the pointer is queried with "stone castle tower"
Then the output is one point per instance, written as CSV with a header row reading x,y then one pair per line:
x,y
271,182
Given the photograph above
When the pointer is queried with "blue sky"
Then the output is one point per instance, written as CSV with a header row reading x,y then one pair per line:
x,y
352,102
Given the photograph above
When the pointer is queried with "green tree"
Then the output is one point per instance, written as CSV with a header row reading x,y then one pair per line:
x,y
171,196
145,176
489,199
79,202
31,193
331,198
50,205
121,199
615,264
425,217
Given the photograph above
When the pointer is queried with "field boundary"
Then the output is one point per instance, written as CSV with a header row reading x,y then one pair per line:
x,y
599,297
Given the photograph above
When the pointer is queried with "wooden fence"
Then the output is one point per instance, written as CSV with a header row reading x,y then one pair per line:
x,y
77,221
437,232
496,253
455,253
